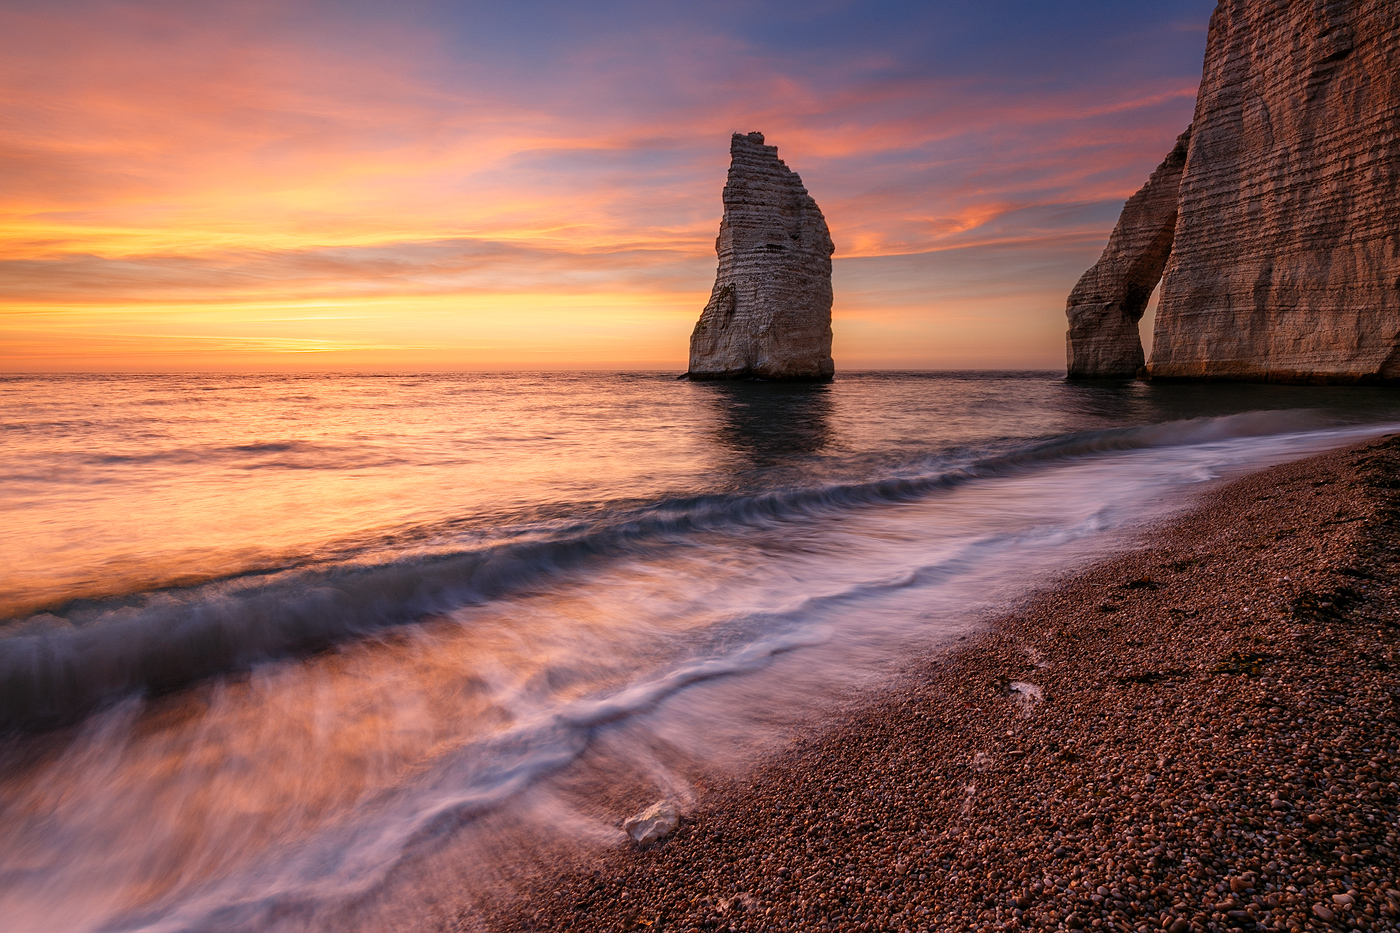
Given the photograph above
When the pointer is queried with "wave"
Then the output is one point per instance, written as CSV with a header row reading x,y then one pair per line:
x,y
55,668
291,455
409,822
349,861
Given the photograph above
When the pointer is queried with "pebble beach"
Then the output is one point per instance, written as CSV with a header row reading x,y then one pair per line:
x,y
1199,734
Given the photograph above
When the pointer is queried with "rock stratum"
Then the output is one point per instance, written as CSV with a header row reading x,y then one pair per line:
x,y
1108,302
769,315
1284,260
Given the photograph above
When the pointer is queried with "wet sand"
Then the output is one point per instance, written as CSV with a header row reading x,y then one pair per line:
x,y
1201,734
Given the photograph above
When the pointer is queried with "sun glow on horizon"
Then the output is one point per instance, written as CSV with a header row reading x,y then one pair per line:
x,y
240,186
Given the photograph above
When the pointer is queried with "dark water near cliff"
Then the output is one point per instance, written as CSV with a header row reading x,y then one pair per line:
x,y
334,651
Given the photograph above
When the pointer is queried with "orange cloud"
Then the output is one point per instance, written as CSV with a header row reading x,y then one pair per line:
x,y
190,167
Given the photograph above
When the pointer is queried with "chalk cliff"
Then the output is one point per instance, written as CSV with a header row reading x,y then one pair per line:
x,y
1285,259
1106,305
769,315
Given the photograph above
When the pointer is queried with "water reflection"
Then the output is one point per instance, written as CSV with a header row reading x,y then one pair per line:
x,y
344,790
768,423
1137,402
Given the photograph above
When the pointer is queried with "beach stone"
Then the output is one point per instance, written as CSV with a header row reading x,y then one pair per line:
x,y
654,823
902,767
1109,299
769,314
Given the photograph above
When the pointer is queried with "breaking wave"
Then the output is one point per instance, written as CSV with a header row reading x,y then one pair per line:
x,y
61,664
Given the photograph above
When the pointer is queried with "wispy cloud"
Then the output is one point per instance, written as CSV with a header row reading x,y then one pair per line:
x,y
226,156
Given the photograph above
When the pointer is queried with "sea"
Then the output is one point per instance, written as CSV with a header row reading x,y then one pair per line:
x,y
357,652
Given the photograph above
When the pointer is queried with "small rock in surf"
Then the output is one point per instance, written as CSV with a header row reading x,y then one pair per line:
x,y
654,823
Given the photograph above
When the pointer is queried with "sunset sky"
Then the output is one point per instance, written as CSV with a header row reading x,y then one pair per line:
x,y
451,186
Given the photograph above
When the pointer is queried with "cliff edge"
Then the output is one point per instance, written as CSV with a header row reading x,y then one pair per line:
x,y
1284,264
769,314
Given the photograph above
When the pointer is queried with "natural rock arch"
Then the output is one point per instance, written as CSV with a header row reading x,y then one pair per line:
x,y
1283,261
1108,302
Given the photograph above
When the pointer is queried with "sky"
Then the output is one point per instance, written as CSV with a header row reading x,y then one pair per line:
x,y
432,185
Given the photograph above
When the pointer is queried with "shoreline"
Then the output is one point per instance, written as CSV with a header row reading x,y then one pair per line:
x,y
1202,733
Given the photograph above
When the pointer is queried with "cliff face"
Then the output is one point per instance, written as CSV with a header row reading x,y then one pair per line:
x,y
1285,260
1287,255
769,315
1106,305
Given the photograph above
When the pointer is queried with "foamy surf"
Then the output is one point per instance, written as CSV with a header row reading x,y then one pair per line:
x,y
53,667
321,746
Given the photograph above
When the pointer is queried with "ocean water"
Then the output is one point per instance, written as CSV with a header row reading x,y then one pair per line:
x,y
348,652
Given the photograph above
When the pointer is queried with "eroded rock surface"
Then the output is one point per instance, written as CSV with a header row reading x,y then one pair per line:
x,y
1106,305
769,315
1285,260
1287,254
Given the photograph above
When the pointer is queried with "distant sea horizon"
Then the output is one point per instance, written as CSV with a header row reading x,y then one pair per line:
x,y
508,370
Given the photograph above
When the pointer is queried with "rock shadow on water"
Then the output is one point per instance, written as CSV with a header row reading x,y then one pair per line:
x,y
1297,407
771,422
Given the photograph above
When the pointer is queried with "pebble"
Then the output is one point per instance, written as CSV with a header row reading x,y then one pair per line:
x,y
1222,752
653,824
